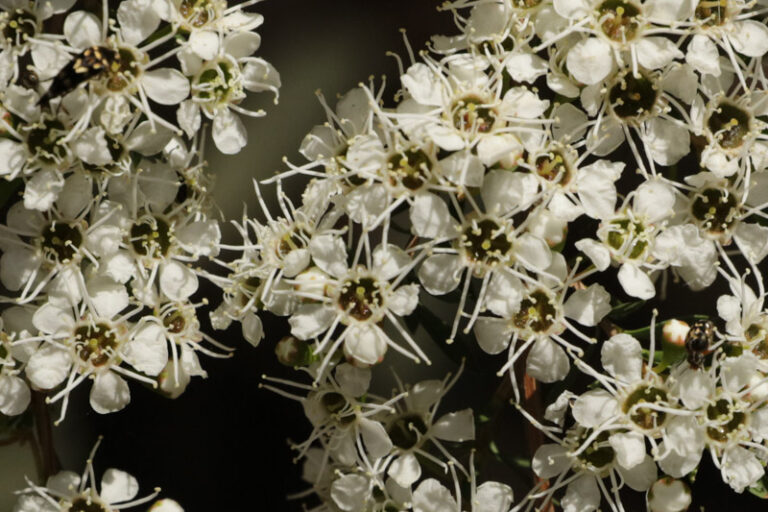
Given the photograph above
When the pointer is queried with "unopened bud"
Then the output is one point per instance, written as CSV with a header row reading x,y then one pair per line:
x,y
675,332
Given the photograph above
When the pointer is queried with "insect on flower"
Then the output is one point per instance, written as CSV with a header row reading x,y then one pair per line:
x,y
89,63
698,341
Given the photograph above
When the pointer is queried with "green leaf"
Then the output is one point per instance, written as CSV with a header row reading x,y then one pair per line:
x,y
623,309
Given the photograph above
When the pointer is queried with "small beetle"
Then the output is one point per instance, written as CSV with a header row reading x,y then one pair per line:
x,y
89,63
697,342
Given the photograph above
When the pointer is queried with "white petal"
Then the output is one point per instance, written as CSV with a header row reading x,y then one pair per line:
x,y
492,334
405,469
109,298
590,60
204,43
595,251
350,492
622,357
654,199
582,495
253,330
677,465
702,55
241,44
330,254
547,361
669,495
593,408
741,468
455,426
636,282
109,393
430,217
229,132
404,300
504,294
749,37
148,140
439,274
656,52
166,86
492,497
752,240
389,261
118,486
48,367
667,141
14,395
550,460
311,320
13,157
177,281
148,350
82,29
188,116
629,448
503,191
367,344
375,438
641,476
588,306
259,75
353,381
431,496
138,20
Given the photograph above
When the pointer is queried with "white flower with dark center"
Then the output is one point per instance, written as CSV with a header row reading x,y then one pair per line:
x,y
66,491
461,108
356,299
218,85
536,315
415,425
89,341
627,237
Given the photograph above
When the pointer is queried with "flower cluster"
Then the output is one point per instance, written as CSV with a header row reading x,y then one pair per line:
x,y
554,160
101,132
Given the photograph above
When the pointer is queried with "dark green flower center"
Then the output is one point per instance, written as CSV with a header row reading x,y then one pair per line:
x,y
360,297
151,237
730,125
715,210
599,453
711,13
553,166
197,13
123,70
85,505
470,115
409,168
537,312
61,241
18,26
619,20
633,96
627,236
645,417
43,141
724,420
406,431
486,242
95,344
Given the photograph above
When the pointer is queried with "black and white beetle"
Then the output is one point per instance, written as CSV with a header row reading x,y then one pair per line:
x,y
89,63
698,340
